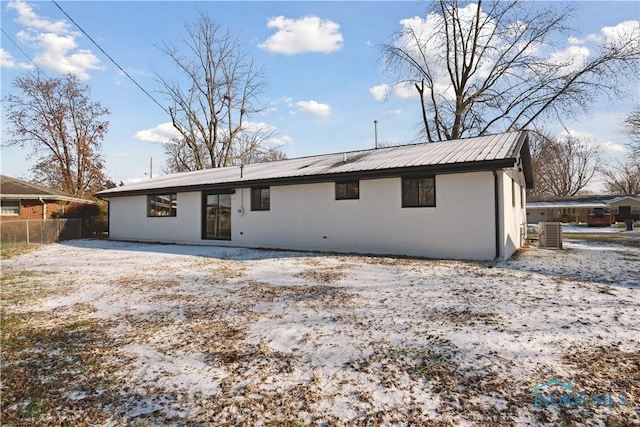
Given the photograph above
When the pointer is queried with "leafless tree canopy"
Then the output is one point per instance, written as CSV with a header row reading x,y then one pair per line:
x,y
632,127
563,166
214,94
64,128
491,66
623,177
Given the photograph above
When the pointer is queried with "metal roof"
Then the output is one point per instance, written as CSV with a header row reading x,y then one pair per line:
x,y
479,153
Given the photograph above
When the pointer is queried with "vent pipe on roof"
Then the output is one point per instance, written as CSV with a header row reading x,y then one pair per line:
x,y
375,128
344,157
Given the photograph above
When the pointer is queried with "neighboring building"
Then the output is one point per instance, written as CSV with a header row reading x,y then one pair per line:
x,y
24,200
576,209
461,199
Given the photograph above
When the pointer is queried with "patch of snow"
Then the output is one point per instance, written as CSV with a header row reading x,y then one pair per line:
x,y
200,326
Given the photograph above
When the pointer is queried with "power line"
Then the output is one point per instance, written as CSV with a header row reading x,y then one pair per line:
x,y
110,58
23,52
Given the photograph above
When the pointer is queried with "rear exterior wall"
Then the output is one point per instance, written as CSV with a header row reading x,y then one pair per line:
x,y
308,217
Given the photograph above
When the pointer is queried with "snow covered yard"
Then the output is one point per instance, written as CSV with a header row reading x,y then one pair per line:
x,y
113,333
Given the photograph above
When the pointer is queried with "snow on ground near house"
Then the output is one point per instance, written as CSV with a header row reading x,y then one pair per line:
x,y
572,228
580,229
188,334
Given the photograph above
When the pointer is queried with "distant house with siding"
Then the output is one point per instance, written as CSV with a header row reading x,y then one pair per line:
x,y
24,200
461,199
576,209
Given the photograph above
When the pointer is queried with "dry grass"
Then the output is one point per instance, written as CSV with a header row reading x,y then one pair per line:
x,y
179,324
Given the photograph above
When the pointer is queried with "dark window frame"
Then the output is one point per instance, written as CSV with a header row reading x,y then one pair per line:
x,y
172,209
350,192
513,193
206,205
258,200
416,203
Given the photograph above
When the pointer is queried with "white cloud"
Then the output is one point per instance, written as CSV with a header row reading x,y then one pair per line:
x,y
280,140
28,18
137,179
308,34
424,38
589,39
314,107
571,59
394,112
625,35
55,44
8,61
163,134
612,148
607,147
406,91
380,91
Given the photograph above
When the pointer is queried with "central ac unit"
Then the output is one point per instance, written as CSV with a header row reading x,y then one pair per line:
x,y
550,235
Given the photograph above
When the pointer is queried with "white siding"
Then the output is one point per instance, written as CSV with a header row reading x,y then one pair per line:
x,y
307,217
514,214
128,220
536,215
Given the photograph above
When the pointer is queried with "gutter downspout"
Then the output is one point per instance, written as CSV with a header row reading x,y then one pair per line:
x,y
496,201
44,208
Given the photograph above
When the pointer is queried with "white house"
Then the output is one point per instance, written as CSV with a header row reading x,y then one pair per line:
x,y
576,208
461,199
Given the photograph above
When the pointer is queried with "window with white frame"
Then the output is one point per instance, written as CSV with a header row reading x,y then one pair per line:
x,y
10,207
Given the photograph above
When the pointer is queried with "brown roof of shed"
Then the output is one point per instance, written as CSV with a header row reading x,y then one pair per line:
x,y
13,188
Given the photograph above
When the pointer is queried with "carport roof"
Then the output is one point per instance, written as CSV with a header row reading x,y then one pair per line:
x,y
470,154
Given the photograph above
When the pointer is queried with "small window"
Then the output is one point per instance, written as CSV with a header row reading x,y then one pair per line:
x,y
10,207
162,205
347,190
260,199
614,210
635,210
513,193
418,192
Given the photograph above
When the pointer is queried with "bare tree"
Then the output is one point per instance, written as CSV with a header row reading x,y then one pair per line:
x,y
252,145
64,128
562,166
483,67
623,177
214,94
632,128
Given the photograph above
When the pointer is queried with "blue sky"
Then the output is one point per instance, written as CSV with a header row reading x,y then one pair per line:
x,y
321,88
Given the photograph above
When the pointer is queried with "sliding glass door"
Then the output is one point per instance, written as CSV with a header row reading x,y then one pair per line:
x,y
216,216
